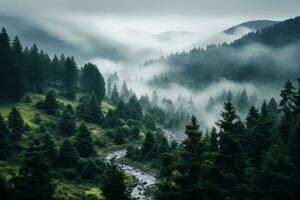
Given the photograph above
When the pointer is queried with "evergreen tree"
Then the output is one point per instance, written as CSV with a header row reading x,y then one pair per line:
x,y
109,87
33,181
11,77
84,142
135,110
125,94
18,78
252,117
51,103
48,149
67,123
276,178
55,71
70,78
92,81
119,136
243,103
115,97
214,143
114,187
190,162
210,105
15,124
89,110
67,155
4,139
287,106
230,162
147,146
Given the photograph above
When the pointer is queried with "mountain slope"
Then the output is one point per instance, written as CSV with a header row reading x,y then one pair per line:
x,y
252,25
269,55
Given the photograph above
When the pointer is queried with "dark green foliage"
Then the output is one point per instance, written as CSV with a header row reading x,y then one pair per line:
x,y
84,142
51,103
135,133
135,110
119,136
67,123
89,110
4,191
67,155
230,162
70,78
12,81
15,124
276,178
90,169
113,185
33,181
4,139
147,146
48,149
115,97
92,81
287,106
37,118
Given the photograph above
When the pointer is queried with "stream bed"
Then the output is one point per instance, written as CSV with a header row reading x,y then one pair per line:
x,y
144,180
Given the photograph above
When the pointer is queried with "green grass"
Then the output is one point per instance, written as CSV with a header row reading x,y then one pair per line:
x,y
77,191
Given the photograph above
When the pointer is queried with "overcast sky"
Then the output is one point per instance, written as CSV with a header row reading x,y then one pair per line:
x,y
154,15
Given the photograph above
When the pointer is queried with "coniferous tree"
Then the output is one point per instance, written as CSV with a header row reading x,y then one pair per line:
x,y
67,155
287,106
48,149
214,143
113,186
125,94
230,162
135,110
109,87
89,110
119,137
33,181
55,71
18,78
4,139
210,105
51,103
147,146
115,97
243,103
15,124
92,81
70,78
67,123
190,162
11,78
84,142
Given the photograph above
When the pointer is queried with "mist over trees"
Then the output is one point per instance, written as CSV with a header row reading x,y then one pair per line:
x,y
257,57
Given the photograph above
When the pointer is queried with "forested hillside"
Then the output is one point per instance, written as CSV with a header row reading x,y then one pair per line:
x,y
266,56
67,134
57,124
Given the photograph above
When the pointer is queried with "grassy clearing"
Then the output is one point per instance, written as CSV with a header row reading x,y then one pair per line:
x,y
77,191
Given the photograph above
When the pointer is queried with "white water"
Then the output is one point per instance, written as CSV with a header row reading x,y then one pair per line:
x,y
144,180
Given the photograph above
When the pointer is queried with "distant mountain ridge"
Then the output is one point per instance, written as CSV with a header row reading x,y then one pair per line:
x,y
255,25
268,55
